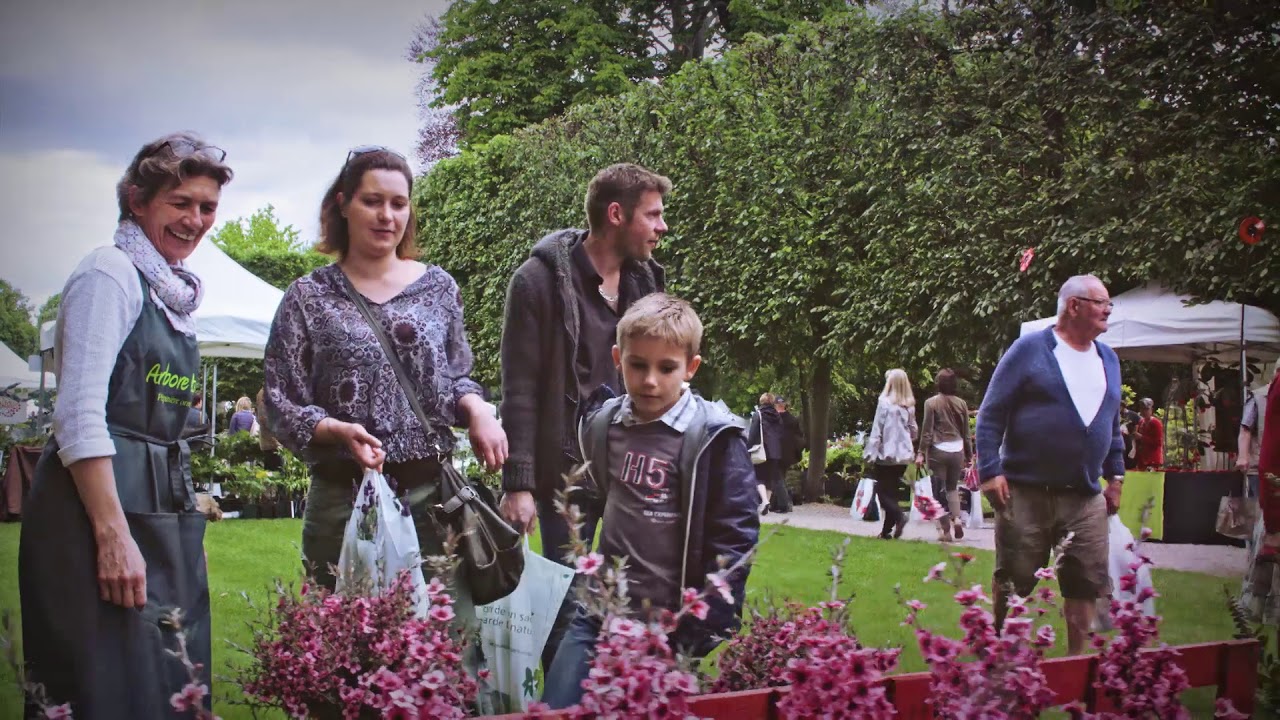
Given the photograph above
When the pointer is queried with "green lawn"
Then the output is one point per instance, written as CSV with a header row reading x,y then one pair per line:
x,y
792,564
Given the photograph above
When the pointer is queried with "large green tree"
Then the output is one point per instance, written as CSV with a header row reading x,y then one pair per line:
x,y
268,249
499,65
16,329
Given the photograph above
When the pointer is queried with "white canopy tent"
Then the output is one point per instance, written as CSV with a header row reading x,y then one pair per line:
x,y
234,317
1152,324
235,314
14,371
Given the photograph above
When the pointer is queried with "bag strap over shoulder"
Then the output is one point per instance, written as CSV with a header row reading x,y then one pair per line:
x,y
406,384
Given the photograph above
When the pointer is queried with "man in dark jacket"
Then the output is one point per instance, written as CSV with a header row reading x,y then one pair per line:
x,y
561,316
792,447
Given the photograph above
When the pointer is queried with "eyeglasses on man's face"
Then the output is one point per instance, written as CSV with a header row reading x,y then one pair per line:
x,y
1100,303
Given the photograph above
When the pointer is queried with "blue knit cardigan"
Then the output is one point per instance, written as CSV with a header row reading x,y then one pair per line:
x,y
1030,431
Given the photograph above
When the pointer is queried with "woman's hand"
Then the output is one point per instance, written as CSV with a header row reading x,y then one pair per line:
x,y
365,448
488,441
919,459
122,573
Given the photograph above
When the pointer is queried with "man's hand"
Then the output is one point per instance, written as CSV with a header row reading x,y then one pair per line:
x,y
122,573
1242,462
1112,494
520,510
997,491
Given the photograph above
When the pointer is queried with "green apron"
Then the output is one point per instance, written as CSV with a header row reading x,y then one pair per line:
x,y
106,660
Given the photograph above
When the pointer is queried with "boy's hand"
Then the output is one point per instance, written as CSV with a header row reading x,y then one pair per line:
x,y
520,510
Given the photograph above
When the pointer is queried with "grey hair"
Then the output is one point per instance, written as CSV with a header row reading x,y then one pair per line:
x,y
157,167
1147,403
1075,286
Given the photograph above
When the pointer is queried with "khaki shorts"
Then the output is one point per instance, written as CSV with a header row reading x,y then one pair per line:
x,y
1035,520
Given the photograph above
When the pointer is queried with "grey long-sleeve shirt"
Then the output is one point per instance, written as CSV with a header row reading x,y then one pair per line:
x,y
100,304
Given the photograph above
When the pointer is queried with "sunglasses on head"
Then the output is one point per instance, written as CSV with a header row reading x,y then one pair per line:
x,y
356,152
186,148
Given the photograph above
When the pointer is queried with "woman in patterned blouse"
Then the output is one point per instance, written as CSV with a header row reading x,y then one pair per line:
x,y
331,394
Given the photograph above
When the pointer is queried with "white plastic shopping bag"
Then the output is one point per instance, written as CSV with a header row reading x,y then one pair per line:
x,y
974,518
379,542
514,630
923,488
1120,557
863,497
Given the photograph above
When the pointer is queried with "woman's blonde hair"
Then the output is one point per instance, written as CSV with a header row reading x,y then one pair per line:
x,y
897,388
244,403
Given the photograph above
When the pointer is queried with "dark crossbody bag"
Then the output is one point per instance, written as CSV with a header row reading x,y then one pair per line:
x,y
491,550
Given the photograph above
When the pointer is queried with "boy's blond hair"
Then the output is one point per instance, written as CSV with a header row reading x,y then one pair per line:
x,y
664,317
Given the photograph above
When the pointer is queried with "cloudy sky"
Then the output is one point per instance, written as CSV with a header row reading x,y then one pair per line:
x,y
284,86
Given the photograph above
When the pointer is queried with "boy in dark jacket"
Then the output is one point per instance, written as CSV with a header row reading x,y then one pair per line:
x,y
678,488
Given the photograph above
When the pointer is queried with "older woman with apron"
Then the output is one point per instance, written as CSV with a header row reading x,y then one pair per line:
x,y
112,544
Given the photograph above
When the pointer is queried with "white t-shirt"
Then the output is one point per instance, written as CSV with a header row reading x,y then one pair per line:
x,y
1085,376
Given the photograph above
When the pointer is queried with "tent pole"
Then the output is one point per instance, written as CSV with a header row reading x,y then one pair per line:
x,y
1244,361
213,414
204,393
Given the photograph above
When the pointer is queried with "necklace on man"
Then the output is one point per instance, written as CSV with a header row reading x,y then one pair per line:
x,y
611,299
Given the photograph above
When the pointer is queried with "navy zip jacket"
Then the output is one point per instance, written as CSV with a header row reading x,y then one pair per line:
x,y
1030,431
720,510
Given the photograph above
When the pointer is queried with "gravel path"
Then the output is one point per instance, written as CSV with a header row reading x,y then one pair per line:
x,y
1221,560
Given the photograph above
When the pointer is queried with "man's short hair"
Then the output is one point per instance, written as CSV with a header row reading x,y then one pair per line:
x,y
664,317
1075,286
622,183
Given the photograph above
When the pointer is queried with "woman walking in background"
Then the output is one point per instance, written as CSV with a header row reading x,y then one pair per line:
x,y
766,429
946,449
891,446
1149,437
242,420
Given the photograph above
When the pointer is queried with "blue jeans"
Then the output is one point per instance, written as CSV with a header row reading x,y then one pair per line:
x,y
555,536
572,661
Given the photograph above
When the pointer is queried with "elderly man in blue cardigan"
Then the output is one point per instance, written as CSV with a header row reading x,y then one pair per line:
x,y
1048,432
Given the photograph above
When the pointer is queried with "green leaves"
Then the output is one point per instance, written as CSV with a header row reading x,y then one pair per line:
x,y
861,189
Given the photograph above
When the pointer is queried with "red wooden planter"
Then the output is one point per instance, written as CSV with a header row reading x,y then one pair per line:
x,y
1231,666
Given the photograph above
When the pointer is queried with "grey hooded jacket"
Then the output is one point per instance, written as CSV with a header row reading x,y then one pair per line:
x,y
540,403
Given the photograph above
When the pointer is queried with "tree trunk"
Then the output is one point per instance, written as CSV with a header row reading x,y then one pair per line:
x,y
819,420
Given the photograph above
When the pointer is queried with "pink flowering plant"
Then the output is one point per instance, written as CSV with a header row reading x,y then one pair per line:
x,y
813,650
320,654
1139,680
986,674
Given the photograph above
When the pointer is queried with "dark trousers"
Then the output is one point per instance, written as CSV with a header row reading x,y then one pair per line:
x,y
781,500
888,491
554,530
563,687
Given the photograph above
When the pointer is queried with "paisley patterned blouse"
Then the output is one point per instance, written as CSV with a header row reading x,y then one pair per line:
x,y
323,360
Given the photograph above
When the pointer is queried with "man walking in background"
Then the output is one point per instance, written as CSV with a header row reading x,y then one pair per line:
x,y
1048,430
792,448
